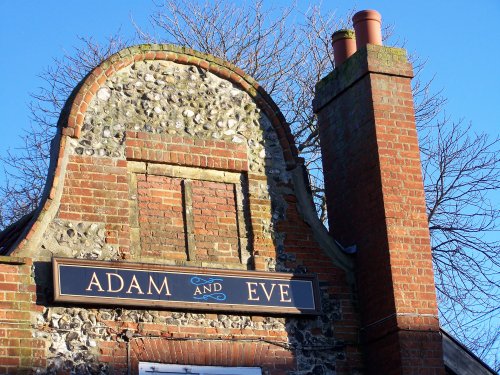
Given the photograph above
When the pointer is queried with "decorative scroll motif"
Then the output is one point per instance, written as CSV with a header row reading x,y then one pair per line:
x,y
214,296
199,281
207,289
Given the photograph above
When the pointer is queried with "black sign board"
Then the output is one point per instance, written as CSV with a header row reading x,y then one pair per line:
x,y
147,285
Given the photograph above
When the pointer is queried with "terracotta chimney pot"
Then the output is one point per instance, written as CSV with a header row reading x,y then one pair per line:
x,y
367,24
344,45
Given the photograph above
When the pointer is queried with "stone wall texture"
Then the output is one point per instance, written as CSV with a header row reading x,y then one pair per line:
x,y
168,156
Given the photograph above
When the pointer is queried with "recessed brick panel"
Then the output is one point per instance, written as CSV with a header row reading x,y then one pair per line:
x,y
161,221
215,221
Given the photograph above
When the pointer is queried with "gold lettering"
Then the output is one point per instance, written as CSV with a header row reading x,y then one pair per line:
x,y
268,295
252,291
284,292
134,284
95,281
110,289
217,287
207,288
164,284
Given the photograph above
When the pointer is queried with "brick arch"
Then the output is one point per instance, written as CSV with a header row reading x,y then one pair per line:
x,y
225,353
77,105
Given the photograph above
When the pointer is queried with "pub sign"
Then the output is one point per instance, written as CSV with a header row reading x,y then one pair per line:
x,y
148,285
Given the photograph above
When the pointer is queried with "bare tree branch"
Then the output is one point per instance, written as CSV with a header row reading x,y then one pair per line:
x,y
25,169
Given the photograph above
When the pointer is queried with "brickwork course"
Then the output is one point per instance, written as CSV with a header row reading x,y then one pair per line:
x,y
168,156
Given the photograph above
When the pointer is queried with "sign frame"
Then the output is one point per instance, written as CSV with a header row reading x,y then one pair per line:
x,y
181,305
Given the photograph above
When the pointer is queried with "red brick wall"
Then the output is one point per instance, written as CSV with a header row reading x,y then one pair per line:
x,y
304,247
161,221
18,349
96,190
276,360
215,222
376,201
242,350
186,151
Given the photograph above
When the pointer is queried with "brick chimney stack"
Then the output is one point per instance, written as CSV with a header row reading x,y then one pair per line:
x,y
375,200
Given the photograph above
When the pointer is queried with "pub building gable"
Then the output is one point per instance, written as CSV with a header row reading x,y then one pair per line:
x,y
170,165
177,230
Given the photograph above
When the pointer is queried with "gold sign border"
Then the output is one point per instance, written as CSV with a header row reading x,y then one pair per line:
x,y
266,309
